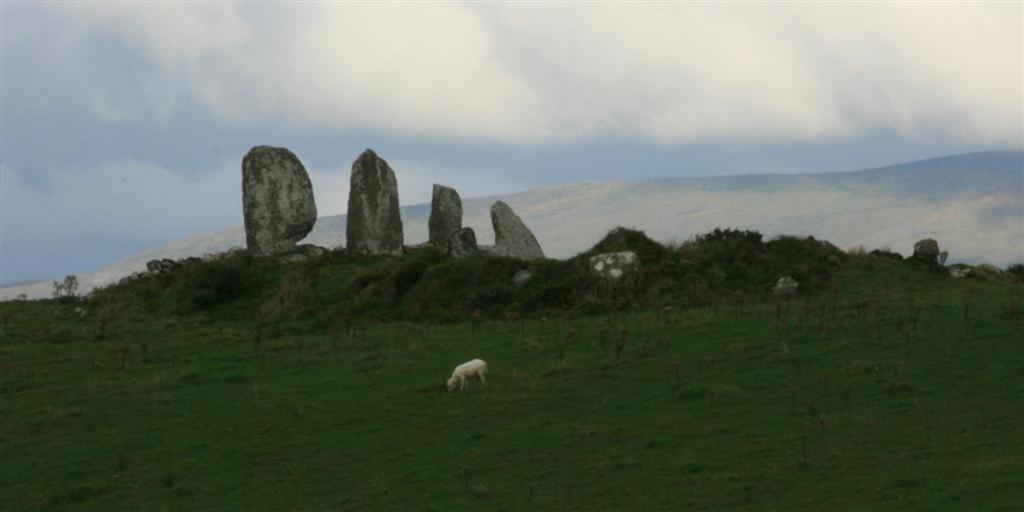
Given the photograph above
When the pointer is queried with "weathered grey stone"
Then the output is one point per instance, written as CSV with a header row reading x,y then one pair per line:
x,y
445,216
374,222
614,265
162,266
277,200
927,250
460,243
786,285
511,237
521,276
303,252
959,272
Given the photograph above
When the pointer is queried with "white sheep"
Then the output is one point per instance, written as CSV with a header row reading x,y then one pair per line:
x,y
475,368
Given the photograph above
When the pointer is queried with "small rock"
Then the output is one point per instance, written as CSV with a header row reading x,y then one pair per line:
x,y
303,252
521,276
785,286
959,272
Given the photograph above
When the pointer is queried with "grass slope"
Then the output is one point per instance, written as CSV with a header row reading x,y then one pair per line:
x,y
889,388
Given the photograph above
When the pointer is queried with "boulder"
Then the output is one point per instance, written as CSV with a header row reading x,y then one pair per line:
x,y
614,265
511,237
959,272
460,243
445,215
521,276
785,286
927,250
303,252
277,200
374,222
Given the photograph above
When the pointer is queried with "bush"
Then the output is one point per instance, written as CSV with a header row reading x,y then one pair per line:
x,y
624,239
205,284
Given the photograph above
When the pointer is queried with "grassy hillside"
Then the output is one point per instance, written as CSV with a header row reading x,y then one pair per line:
x,y
247,383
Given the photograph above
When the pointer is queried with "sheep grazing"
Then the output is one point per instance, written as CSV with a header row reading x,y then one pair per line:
x,y
475,368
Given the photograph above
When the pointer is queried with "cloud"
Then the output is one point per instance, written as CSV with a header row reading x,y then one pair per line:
x,y
662,72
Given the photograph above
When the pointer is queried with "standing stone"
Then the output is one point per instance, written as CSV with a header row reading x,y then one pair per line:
x,y
374,222
511,237
460,243
927,250
445,216
277,200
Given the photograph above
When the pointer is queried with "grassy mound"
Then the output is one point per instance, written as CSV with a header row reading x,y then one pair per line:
x,y
249,384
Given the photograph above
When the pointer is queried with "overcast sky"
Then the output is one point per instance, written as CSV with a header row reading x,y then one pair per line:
x,y
124,125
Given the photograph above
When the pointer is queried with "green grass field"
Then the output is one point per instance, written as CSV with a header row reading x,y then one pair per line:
x,y
889,388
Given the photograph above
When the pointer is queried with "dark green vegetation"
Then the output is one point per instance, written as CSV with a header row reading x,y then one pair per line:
x,y
248,384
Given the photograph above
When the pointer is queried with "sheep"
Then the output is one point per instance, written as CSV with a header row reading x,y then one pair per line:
x,y
475,368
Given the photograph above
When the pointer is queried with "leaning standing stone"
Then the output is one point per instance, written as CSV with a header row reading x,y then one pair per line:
x,y
445,215
374,222
277,200
511,237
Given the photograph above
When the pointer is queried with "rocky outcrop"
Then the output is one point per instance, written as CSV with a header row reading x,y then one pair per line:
x,y
614,265
374,222
277,200
445,215
927,250
511,237
785,286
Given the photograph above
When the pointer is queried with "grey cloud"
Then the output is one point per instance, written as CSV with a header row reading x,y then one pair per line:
x,y
666,73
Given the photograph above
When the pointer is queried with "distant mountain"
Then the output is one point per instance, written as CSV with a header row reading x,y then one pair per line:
x,y
973,204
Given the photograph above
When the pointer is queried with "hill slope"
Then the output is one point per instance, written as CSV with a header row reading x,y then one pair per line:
x,y
972,203
893,388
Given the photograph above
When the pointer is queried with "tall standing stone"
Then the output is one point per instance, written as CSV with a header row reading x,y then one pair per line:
x,y
511,237
277,200
445,215
374,221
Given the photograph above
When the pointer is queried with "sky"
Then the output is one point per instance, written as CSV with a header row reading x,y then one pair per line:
x,y
123,125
